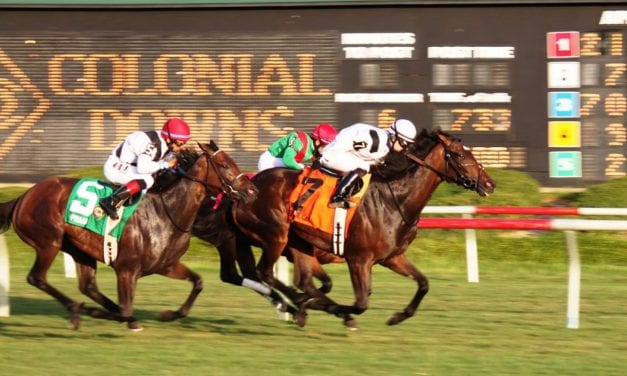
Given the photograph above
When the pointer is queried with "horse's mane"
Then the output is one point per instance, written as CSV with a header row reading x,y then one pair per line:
x,y
397,163
167,178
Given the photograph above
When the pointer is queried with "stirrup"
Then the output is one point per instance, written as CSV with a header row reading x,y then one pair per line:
x,y
340,202
111,210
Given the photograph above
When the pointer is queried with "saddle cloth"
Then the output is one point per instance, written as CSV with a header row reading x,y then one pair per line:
x,y
83,210
310,198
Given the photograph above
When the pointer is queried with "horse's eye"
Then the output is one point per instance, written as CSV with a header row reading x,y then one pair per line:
x,y
225,166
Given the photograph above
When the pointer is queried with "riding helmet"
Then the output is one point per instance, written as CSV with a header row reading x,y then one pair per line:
x,y
324,132
176,129
404,129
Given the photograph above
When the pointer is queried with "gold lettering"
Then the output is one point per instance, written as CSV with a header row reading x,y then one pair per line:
x,y
462,116
101,119
590,44
130,72
616,43
615,104
246,132
13,86
275,66
481,119
90,69
162,74
231,130
616,74
588,102
306,76
55,74
614,165
386,117
618,134
182,75
597,44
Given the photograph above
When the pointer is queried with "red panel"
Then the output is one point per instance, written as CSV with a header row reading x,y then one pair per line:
x,y
486,224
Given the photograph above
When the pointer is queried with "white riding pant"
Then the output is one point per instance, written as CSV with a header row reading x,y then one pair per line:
x,y
267,160
121,173
343,161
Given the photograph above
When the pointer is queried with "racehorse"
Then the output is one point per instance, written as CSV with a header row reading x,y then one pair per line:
x,y
153,241
213,224
388,214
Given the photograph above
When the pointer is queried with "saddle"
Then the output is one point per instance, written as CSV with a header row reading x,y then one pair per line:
x,y
310,198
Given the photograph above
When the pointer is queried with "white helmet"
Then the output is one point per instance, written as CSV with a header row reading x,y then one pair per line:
x,y
404,129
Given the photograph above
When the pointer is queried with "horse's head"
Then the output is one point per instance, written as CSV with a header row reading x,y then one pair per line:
x,y
460,165
224,174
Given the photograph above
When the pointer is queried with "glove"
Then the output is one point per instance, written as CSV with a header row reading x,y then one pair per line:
x,y
170,160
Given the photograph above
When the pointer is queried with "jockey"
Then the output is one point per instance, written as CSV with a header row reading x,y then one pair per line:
x,y
296,148
140,155
359,146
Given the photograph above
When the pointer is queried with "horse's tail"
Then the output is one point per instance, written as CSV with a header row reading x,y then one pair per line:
x,y
6,211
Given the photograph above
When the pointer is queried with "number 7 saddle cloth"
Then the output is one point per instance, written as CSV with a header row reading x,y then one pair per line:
x,y
310,199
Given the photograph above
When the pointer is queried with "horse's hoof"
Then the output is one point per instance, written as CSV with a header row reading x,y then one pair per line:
x,y
135,326
97,313
74,322
301,299
300,318
169,315
75,315
325,289
397,318
351,324
281,307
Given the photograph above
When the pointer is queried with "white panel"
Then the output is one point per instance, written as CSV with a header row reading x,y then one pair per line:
x,y
563,74
378,52
378,38
379,98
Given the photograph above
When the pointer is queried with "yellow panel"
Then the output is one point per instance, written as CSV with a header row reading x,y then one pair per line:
x,y
564,134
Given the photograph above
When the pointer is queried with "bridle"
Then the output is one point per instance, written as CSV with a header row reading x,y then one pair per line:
x,y
227,188
453,160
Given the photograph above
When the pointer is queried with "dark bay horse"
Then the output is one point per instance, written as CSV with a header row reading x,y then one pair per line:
x,y
388,214
153,241
214,225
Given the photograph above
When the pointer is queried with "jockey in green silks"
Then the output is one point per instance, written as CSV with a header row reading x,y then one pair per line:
x,y
296,148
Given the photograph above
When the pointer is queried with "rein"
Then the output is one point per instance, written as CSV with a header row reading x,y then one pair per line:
x,y
398,205
226,187
459,178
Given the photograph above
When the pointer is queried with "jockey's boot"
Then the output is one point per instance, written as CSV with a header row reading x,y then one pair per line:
x,y
341,196
110,204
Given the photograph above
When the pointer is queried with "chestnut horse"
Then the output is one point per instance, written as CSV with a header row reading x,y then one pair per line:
x,y
388,213
153,241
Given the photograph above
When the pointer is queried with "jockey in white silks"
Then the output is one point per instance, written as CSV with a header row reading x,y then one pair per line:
x,y
360,146
134,161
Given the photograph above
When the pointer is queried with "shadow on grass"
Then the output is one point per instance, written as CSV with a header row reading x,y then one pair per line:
x,y
27,309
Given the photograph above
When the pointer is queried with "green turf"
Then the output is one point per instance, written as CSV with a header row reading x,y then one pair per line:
x,y
511,323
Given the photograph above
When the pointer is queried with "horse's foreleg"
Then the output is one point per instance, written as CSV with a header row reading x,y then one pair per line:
x,y
322,276
239,250
127,282
86,270
37,277
305,267
401,265
180,271
265,273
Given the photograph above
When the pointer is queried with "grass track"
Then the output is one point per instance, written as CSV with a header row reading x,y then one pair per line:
x,y
511,323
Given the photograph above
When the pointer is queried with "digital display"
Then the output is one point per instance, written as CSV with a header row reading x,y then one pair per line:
x,y
522,90
603,104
